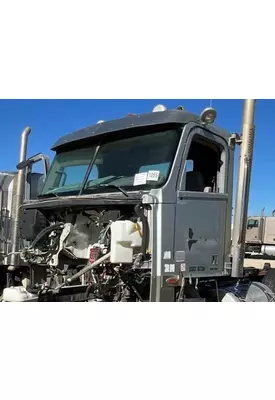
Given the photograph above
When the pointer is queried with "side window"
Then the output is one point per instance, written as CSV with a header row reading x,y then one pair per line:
x,y
205,166
252,223
189,167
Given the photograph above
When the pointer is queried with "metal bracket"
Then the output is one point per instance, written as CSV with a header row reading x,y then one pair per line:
x,y
234,139
227,268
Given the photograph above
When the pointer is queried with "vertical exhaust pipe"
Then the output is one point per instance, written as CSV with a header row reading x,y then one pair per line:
x,y
243,186
18,199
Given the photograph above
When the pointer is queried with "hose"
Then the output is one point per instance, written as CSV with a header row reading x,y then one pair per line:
x,y
48,229
145,229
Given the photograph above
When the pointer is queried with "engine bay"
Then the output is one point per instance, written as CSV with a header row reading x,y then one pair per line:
x,y
95,253
103,253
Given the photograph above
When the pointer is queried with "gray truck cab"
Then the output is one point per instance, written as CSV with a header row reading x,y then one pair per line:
x,y
138,209
176,166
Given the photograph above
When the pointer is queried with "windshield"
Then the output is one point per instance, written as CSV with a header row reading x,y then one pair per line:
x,y
139,162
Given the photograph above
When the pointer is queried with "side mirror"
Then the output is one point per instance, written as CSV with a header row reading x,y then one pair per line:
x,y
33,160
40,183
34,181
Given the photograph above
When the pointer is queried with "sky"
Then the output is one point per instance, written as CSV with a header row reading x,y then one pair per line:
x,y
50,119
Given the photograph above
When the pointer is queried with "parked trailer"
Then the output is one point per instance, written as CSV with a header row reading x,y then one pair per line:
x,y
139,209
16,187
7,184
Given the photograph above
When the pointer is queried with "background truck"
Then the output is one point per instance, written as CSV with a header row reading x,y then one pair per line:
x,y
138,209
260,237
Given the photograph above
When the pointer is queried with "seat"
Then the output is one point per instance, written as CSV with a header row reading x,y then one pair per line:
x,y
194,181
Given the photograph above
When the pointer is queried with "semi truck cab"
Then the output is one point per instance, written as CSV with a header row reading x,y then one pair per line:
x,y
135,209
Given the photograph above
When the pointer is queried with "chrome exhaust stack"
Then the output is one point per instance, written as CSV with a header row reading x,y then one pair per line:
x,y
243,187
18,199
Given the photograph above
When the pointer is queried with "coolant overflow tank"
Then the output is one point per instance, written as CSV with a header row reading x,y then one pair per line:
x,y
17,294
125,237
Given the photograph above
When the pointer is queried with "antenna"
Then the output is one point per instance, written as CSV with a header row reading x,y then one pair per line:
x,y
210,103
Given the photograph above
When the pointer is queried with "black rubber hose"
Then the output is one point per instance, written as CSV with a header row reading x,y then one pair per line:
x,y
46,230
145,229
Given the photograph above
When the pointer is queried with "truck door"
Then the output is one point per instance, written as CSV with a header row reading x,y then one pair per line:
x,y
202,206
254,230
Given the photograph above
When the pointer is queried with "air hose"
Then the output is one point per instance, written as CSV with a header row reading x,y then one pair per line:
x,y
45,231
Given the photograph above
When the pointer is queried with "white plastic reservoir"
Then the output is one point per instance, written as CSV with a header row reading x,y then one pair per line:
x,y
17,294
125,237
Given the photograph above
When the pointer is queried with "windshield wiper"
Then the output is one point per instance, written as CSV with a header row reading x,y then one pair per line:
x,y
89,169
111,185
